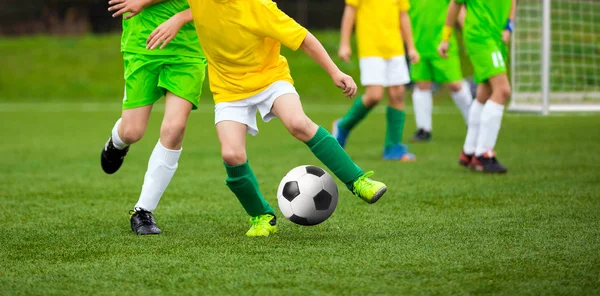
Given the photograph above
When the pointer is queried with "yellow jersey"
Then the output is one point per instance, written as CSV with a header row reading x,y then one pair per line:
x,y
242,41
378,27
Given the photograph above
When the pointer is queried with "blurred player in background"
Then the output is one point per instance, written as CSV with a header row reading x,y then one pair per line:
x,y
176,72
428,18
488,26
242,41
382,26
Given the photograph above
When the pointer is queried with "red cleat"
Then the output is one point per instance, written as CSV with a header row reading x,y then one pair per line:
x,y
465,159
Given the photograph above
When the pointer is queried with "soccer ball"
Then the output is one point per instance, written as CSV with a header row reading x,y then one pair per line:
x,y
307,195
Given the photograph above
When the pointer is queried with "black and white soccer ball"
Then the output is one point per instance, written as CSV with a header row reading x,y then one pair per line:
x,y
307,195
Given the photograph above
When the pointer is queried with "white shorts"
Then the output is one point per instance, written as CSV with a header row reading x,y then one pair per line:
x,y
385,72
244,111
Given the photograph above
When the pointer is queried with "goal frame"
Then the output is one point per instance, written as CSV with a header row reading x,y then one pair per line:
x,y
546,107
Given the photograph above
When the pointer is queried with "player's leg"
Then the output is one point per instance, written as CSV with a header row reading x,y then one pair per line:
x,y
127,130
233,120
422,96
488,62
325,147
162,164
141,92
180,79
448,71
372,76
491,120
484,91
397,76
462,97
423,107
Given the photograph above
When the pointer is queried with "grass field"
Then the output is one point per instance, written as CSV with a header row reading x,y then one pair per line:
x,y
439,230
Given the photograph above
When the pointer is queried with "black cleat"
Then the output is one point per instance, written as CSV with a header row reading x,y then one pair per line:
x,y
488,163
421,135
142,222
111,158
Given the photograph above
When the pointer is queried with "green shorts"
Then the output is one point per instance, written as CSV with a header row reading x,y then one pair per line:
x,y
488,58
437,69
149,77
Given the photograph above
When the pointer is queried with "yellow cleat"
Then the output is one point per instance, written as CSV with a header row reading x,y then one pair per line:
x,y
367,189
262,225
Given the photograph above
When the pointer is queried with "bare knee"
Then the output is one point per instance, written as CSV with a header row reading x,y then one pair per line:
x,y
503,93
131,134
454,86
423,85
171,134
396,94
233,156
373,96
301,128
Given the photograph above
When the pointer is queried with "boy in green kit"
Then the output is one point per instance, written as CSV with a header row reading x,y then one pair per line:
x,y
428,18
488,25
176,72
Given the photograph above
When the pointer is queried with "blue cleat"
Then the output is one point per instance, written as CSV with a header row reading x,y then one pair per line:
x,y
340,134
398,152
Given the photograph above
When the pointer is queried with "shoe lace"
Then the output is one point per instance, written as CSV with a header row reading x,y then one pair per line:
x,y
111,149
144,216
361,185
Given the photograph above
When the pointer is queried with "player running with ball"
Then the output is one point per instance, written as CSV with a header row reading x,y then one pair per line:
x,y
488,25
428,18
382,28
176,72
242,40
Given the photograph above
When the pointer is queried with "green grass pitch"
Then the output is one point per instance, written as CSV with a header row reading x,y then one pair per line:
x,y
440,229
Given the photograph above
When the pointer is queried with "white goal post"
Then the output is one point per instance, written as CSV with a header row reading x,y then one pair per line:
x,y
555,56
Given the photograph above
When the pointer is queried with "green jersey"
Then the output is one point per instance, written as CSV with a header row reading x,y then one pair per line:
x,y
428,18
485,19
137,29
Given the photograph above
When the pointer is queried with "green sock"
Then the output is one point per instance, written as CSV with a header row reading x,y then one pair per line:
x,y
357,112
326,148
395,126
243,183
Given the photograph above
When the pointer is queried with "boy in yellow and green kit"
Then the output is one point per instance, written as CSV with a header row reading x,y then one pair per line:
x,y
242,41
382,28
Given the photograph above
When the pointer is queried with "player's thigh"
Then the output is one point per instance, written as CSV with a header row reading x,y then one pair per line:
x,y
141,73
279,93
500,88
421,71
372,71
184,76
484,92
447,70
177,111
396,71
232,137
488,59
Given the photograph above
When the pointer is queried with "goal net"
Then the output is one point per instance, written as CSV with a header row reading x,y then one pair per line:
x,y
555,56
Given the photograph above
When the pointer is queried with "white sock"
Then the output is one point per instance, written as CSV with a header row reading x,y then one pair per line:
x,y
473,127
491,118
117,142
463,99
423,106
161,168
